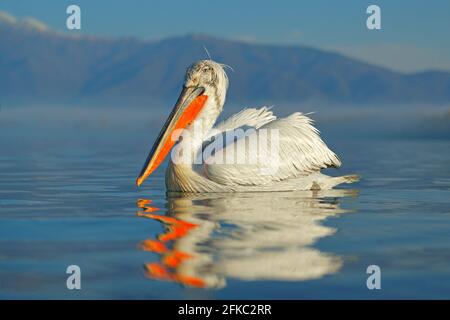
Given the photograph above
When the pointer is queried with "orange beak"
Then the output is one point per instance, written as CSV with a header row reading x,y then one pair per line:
x,y
188,106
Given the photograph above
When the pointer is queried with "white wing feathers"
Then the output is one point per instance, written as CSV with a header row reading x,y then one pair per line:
x,y
300,145
300,150
247,117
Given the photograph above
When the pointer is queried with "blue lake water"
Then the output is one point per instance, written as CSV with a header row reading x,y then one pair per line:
x,y
69,199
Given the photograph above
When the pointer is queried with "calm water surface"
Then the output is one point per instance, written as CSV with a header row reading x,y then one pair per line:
x,y
72,200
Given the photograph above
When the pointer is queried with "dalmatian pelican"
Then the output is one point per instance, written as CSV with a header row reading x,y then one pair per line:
x,y
288,154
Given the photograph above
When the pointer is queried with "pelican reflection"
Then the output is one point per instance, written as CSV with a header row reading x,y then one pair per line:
x,y
253,236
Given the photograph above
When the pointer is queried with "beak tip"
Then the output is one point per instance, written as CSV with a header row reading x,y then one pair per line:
x,y
138,182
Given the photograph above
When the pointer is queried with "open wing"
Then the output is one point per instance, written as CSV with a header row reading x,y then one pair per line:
x,y
286,148
248,117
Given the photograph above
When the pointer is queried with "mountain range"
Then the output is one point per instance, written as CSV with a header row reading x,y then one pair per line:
x,y
39,66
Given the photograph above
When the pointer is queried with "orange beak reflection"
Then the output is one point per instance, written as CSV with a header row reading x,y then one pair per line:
x,y
188,106
170,265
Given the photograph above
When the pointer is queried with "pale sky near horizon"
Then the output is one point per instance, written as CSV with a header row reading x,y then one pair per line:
x,y
414,34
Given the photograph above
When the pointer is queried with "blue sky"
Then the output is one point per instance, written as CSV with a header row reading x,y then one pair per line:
x,y
414,35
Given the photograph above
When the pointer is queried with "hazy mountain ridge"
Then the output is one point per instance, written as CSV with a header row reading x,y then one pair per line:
x,y
39,66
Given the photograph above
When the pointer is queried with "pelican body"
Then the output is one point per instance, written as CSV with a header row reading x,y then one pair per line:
x,y
266,153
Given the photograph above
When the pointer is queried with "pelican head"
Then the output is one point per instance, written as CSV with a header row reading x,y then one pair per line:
x,y
202,96
211,76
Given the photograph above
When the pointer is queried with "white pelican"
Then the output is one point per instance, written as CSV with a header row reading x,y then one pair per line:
x,y
301,153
